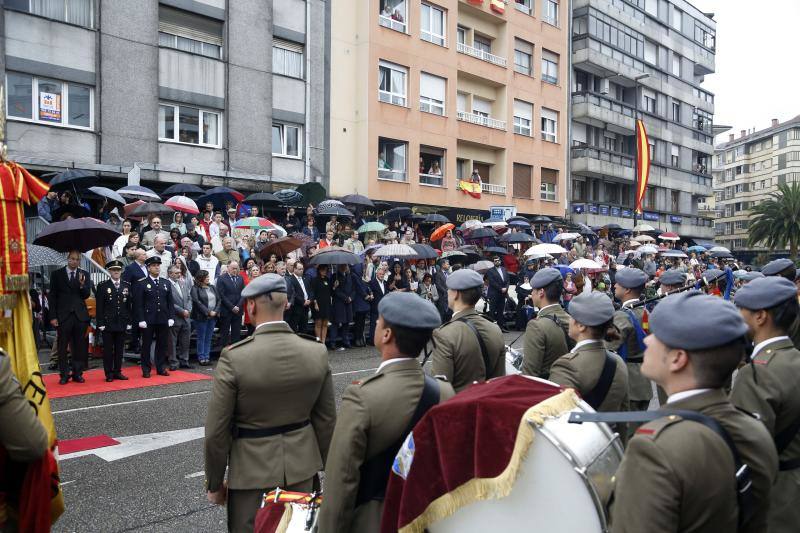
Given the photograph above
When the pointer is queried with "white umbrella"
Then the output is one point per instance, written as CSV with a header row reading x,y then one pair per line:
x,y
545,248
634,244
566,237
482,266
395,250
674,253
720,249
647,249
631,252
643,227
494,224
538,255
643,238
585,263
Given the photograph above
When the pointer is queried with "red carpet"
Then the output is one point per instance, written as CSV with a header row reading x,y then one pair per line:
x,y
96,382
86,443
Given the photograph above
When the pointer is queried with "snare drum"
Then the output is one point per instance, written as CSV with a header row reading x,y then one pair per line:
x,y
285,511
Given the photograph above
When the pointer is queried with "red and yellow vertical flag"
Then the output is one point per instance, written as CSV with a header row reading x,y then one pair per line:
x,y
642,163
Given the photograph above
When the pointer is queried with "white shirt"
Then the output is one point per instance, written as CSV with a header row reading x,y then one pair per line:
x,y
546,306
166,261
209,264
761,345
177,286
678,396
269,323
302,286
390,362
500,271
631,301
584,343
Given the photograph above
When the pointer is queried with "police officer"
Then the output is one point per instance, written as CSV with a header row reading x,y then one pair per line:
x,y
785,268
599,376
154,312
467,348
679,474
113,316
272,411
768,386
377,414
546,336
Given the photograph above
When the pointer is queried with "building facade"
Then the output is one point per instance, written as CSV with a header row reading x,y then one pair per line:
x,y
198,91
644,58
425,93
747,169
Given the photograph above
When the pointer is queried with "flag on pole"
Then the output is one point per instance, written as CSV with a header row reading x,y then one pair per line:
x,y
471,188
642,163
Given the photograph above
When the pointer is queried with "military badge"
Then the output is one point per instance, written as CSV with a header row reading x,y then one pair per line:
x,y
149,286
109,290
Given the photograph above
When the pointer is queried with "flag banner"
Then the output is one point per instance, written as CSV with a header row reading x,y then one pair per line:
x,y
642,163
498,6
469,187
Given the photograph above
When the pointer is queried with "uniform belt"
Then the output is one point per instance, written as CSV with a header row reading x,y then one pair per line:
x,y
792,464
259,433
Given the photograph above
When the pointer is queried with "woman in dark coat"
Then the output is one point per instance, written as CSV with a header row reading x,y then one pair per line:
x,y
321,302
397,281
344,292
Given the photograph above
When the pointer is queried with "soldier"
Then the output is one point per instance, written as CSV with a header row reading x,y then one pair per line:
x,y
546,336
275,390
768,386
785,268
672,280
377,414
113,317
599,376
680,471
154,311
22,436
468,348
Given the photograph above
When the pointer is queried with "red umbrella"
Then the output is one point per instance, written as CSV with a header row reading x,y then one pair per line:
x,y
669,236
131,206
441,231
183,204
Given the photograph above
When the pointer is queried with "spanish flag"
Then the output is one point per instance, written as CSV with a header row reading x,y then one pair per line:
x,y
642,163
468,187
498,6
646,321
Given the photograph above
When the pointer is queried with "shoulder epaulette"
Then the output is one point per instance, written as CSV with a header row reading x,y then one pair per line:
x,y
240,343
652,429
306,336
764,356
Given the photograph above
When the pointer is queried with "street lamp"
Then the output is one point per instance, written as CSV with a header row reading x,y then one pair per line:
x,y
636,81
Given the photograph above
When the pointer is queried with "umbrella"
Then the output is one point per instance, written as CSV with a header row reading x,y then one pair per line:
x,y
255,223
436,217
585,263
482,233
313,192
644,238
518,237
105,192
494,223
566,237
721,255
396,250
183,204
372,227
470,224
648,249
612,227
137,192
719,249
358,199
564,269
184,189
151,208
643,227
39,256
280,247
541,219
289,196
674,253
538,255
424,251
333,255
518,218
334,210
482,266
441,231
669,236
586,230
71,179
397,213
77,234
546,248
519,223
453,253
74,210
329,203
219,195
262,198
128,208
496,250
697,249
634,244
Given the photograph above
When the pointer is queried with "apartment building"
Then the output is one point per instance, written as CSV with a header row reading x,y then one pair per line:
x,y
198,91
747,169
646,59
426,93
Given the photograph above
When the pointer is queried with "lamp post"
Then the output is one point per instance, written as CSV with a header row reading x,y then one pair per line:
x,y
636,85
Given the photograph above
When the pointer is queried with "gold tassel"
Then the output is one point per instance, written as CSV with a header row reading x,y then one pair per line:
x,y
6,325
17,282
8,301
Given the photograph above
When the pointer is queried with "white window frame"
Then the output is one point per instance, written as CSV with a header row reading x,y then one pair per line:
x,y
388,97
549,125
523,125
284,126
650,52
64,18
429,104
201,134
404,172
429,36
677,19
433,180
675,156
64,103
174,44
396,25
548,191
524,6
292,48
550,12
517,66
675,64
549,72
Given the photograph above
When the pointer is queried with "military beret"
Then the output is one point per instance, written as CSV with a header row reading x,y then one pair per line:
x,y
545,277
114,265
673,277
407,310
775,267
630,278
766,292
712,274
154,260
264,284
591,308
693,320
750,276
464,279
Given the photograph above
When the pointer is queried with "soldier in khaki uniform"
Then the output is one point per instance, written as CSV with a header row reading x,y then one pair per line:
x,y
768,386
272,411
21,434
459,344
546,336
785,268
376,415
679,474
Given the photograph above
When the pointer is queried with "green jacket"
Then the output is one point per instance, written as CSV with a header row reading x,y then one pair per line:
x,y
545,341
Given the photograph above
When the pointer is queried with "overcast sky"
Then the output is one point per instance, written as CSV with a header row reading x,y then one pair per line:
x,y
757,75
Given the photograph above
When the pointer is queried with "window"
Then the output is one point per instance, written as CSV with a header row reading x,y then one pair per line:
x,y
461,169
649,100
482,43
549,125
80,12
549,186
676,111
651,7
579,189
650,198
676,65
675,201
677,19
432,93
461,102
182,124
549,67
550,11
523,117
523,5
431,166
461,34
286,140
392,161
392,83
433,24
522,180
189,32
287,58
393,15
481,106
651,52
49,101
523,54
675,158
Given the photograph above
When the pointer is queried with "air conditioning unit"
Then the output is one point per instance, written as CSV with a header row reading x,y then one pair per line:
x,y
605,86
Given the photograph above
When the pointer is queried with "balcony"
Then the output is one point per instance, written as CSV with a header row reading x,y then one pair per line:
x,y
596,162
601,112
431,180
481,54
391,23
481,120
493,188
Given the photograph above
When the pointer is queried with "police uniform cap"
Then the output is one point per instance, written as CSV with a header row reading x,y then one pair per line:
x,y
766,292
407,310
464,279
693,320
264,284
544,277
114,265
154,260
631,278
712,274
591,308
776,266
673,277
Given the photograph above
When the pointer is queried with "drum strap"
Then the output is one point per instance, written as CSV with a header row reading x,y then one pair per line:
x,y
744,486
598,395
484,351
570,342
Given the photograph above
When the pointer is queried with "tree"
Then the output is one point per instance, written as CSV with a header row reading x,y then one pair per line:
x,y
775,222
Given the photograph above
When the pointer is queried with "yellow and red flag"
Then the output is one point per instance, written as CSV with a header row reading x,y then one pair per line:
x,y
498,6
469,187
642,163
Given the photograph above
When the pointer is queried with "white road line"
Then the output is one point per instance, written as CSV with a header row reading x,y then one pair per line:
x,y
68,482
196,474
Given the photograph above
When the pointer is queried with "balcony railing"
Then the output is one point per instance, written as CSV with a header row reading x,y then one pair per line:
x,y
522,7
434,180
602,155
481,54
605,103
389,22
493,188
391,174
481,120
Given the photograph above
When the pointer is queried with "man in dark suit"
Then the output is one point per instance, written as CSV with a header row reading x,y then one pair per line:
x,y
154,312
113,318
379,289
181,332
498,289
229,287
69,288
300,289
440,280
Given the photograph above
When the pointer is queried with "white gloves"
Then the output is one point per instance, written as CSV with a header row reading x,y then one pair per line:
x,y
143,325
102,328
128,327
170,322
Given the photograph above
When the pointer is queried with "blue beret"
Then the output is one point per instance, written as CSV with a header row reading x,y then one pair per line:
x,y
712,274
153,260
750,276
264,284
464,279
407,310
591,308
545,277
630,278
775,267
673,276
693,320
766,292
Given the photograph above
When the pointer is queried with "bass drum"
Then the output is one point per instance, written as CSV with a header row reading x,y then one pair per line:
x,y
563,485
287,512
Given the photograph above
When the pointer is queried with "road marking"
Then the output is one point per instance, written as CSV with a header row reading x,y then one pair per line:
x,y
138,444
68,482
196,474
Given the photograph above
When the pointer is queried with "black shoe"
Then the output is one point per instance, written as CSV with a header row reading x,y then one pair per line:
x,y
204,363
78,379
162,373
185,365
146,374
120,376
173,367
64,380
109,379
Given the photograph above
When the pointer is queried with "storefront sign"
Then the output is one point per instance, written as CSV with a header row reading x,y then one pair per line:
x,y
502,212
593,209
677,219
604,210
627,213
615,211
578,209
653,217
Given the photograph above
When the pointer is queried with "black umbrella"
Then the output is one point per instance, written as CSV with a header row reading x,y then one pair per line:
x,y
219,195
518,237
333,210
263,198
612,226
481,233
77,234
358,199
436,217
71,179
518,218
495,250
112,196
313,192
397,213
151,208
289,196
541,219
183,189
721,255
73,210
333,255
424,251
519,223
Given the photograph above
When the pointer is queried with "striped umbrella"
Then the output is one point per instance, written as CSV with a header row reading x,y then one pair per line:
x,y
395,250
183,204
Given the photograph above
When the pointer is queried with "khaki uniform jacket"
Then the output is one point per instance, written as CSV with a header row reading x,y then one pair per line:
x,y
373,415
272,378
769,387
21,433
457,352
639,387
581,368
678,475
545,341
226,256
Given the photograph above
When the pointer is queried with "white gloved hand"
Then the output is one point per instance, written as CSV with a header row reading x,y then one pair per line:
x,y
102,328
128,327
143,325
170,322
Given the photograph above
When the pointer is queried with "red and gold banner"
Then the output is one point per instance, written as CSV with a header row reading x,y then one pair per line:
x,y
498,6
642,163
471,188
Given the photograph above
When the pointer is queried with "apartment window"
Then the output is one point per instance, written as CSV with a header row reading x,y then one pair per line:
x,y
523,57
549,125
431,166
579,189
676,65
651,52
189,32
392,160
461,35
481,106
80,12
432,91
675,157
392,83
287,140
649,100
651,147
549,187
675,201
461,169
549,67
523,175
461,102
47,101
523,117
523,5
188,125
393,14
433,24
287,58
651,7
650,198
610,141
550,11
482,43
676,111
677,19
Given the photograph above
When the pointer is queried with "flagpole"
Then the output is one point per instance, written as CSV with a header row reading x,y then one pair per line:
x,y
636,137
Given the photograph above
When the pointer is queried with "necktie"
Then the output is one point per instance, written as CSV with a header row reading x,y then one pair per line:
x,y
116,285
72,276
